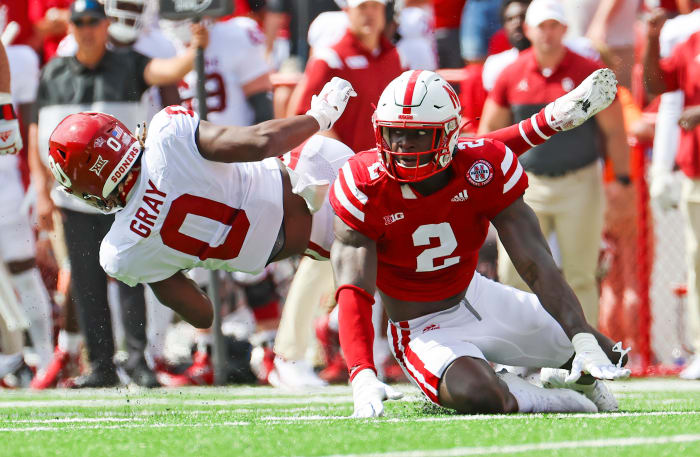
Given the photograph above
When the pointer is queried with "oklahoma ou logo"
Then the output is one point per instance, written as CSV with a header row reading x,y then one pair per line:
x,y
480,173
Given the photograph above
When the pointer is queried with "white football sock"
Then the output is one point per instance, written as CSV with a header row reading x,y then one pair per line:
x,y
35,302
158,319
69,342
333,320
204,340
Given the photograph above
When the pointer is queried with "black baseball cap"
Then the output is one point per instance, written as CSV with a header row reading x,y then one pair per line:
x,y
86,8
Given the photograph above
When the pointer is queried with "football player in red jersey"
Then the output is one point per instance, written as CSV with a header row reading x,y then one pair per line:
x,y
411,216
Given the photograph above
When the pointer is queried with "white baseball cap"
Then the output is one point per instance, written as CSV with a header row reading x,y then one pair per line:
x,y
356,3
543,10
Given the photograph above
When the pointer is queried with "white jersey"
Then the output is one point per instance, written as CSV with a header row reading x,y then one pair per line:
x,y
235,56
186,211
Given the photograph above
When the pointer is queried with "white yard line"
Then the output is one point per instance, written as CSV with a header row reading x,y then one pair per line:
x,y
175,402
301,419
123,426
550,446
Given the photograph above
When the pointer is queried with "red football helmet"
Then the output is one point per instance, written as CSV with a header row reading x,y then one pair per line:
x,y
90,154
420,100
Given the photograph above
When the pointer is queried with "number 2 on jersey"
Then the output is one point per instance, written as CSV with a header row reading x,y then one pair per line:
x,y
448,243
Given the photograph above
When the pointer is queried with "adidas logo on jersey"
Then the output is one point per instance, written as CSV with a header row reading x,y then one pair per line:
x,y
460,197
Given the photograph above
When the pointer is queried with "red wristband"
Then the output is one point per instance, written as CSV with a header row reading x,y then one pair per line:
x,y
355,327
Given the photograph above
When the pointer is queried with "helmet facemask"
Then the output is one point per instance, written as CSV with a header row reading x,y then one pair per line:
x,y
126,19
414,166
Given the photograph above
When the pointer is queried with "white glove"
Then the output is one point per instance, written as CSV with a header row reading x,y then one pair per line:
x,y
368,393
10,137
327,106
591,359
664,190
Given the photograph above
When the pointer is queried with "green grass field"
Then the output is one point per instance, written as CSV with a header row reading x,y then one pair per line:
x,y
658,418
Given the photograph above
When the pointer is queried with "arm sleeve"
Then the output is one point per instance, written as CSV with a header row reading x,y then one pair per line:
x,y
350,203
355,328
524,135
667,132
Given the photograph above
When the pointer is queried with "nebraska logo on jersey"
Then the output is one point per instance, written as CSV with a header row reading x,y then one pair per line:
x,y
480,174
390,219
5,135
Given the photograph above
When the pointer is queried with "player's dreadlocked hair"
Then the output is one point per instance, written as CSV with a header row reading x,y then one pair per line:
x,y
140,134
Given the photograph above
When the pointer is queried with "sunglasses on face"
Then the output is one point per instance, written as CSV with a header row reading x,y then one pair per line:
x,y
87,22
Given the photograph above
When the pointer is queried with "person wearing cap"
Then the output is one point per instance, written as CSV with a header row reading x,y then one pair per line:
x,y
96,78
566,188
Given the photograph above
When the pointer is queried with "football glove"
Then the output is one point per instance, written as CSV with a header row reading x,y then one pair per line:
x,y
368,394
591,359
327,106
10,137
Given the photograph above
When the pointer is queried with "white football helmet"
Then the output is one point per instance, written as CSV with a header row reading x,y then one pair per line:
x,y
127,19
418,99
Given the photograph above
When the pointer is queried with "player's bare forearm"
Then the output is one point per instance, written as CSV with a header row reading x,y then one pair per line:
x,y
652,75
611,123
354,258
257,142
519,231
183,296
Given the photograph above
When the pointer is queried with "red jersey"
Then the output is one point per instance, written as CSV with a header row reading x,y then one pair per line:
x,y
367,72
448,13
681,71
428,246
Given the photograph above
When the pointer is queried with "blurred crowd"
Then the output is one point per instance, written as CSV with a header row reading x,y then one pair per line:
x,y
506,60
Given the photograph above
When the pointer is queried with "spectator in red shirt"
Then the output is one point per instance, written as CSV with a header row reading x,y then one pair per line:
x,y
565,184
448,15
50,17
681,71
366,59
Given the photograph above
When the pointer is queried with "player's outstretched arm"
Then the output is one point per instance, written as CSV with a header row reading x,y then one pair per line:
x,y
275,137
354,258
570,110
519,231
183,296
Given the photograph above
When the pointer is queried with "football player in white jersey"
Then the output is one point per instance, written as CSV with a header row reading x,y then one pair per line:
x,y
16,236
133,26
196,194
237,76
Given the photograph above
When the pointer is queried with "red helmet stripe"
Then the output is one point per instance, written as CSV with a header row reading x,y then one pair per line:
x,y
453,97
408,96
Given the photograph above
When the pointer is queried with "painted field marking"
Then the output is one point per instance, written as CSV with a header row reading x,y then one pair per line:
x,y
550,446
137,422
